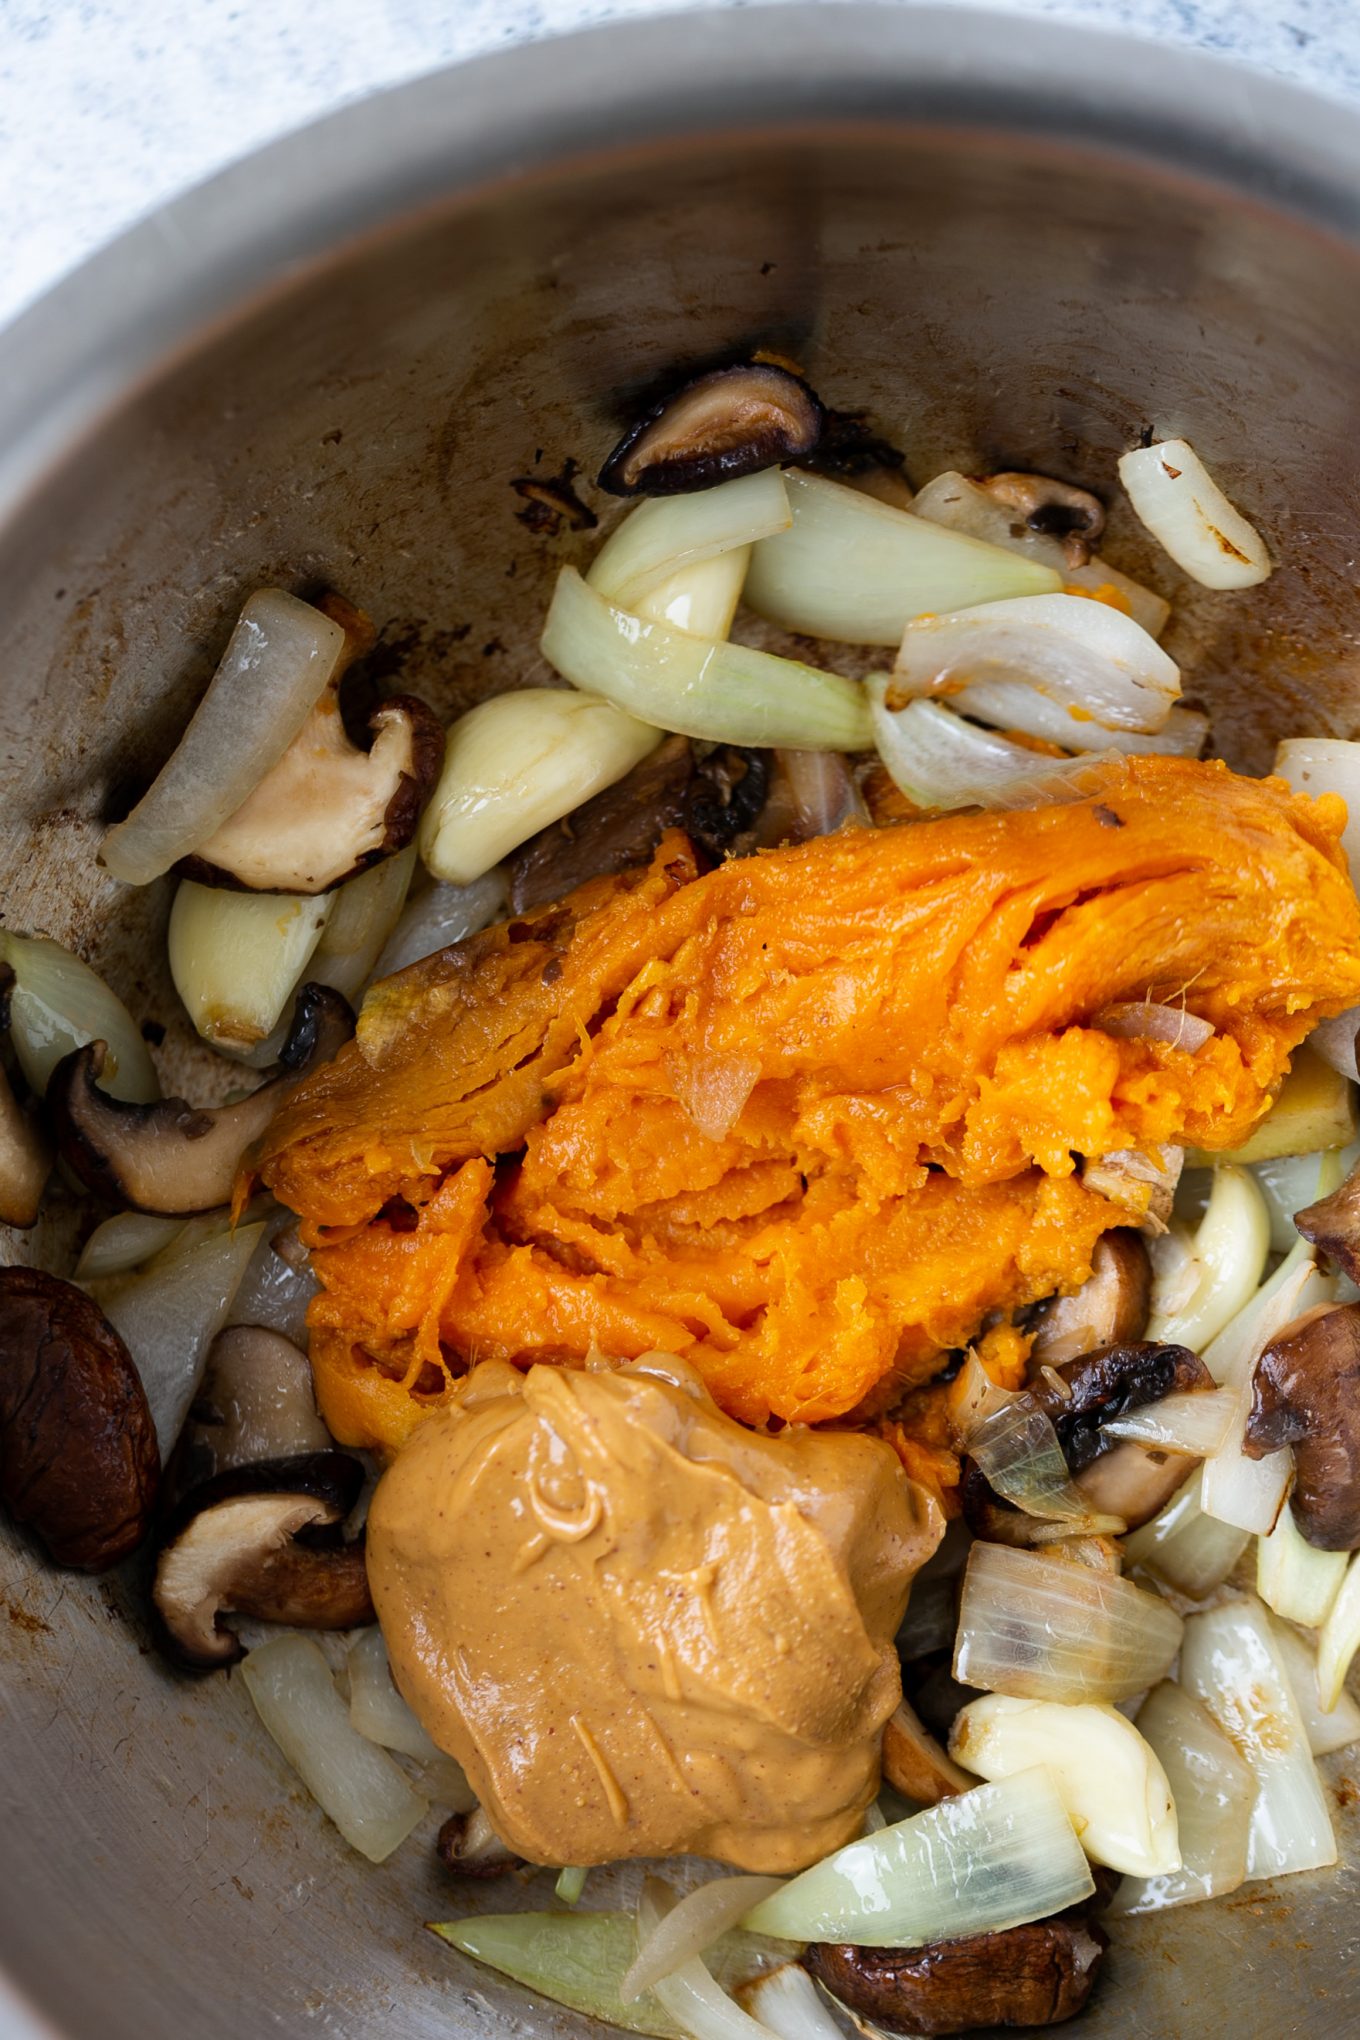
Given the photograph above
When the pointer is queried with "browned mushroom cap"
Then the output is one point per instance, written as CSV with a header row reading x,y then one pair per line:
x,y
713,797
1035,1975
234,1547
1110,1309
1306,1393
731,422
1054,508
1333,1224
915,1764
78,1456
172,1157
25,1151
328,809
469,1846
1122,1479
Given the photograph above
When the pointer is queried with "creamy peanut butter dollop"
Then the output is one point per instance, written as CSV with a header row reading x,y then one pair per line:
x,y
642,1629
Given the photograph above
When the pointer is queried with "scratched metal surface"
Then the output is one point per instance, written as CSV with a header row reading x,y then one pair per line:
x,y
1004,277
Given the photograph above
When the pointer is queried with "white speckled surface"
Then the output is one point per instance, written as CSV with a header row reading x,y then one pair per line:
x,y
108,106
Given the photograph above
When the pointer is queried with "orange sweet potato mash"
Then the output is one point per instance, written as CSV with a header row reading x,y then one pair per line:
x,y
810,1118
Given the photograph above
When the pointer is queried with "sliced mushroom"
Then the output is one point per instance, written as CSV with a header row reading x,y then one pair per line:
x,y
917,1766
713,797
731,422
172,1157
469,1846
328,809
1034,1975
78,1457
255,1403
1054,508
1333,1224
235,1547
1306,1393
1111,1307
1129,1480
25,1151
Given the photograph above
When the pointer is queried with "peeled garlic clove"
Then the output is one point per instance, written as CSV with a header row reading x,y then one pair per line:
x,y
1115,1791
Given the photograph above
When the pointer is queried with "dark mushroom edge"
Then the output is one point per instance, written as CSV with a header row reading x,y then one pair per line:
x,y
261,1541
733,421
25,1149
1333,1225
1305,1392
172,1157
79,1463
468,1846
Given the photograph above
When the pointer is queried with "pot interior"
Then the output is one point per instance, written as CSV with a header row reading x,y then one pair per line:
x,y
992,299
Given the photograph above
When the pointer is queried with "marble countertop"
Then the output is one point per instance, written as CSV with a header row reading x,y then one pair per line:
x,y
109,106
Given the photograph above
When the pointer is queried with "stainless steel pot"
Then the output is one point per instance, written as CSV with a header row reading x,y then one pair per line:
x,y
1017,245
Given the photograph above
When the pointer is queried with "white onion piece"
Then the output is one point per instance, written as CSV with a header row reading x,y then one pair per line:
x,y
379,1713
57,1004
1250,1492
169,1312
1193,1424
788,2003
278,661
1213,1790
1230,1248
1288,1183
954,500
1294,1578
1143,1020
1038,1629
702,599
1017,1448
661,537
1316,765
824,794
350,1778
1011,705
857,570
699,687
574,1958
516,763
1327,1728
1230,1663
236,957
1087,659
124,1241
571,1882
697,2003
1175,496
941,761
979,1862
1190,1551
1115,1791
363,914
1339,1638
442,915
690,1926
274,1291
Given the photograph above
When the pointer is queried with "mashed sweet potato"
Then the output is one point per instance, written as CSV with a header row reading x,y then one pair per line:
x,y
810,1118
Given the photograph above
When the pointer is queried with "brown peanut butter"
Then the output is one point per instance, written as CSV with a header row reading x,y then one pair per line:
x,y
642,1629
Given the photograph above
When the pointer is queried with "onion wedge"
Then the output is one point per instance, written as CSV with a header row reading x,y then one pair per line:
x,y
693,1924
1213,1790
994,1857
350,1778
1327,1728
1230,1250
1036,1628
278,662
940,761
664,535
1192,1552
1339,1638
1175,496
57,1004
1091,662
857,570
699,687
1231,1664
1294,1578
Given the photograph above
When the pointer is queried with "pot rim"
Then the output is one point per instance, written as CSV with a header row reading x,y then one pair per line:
x,y
255,228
